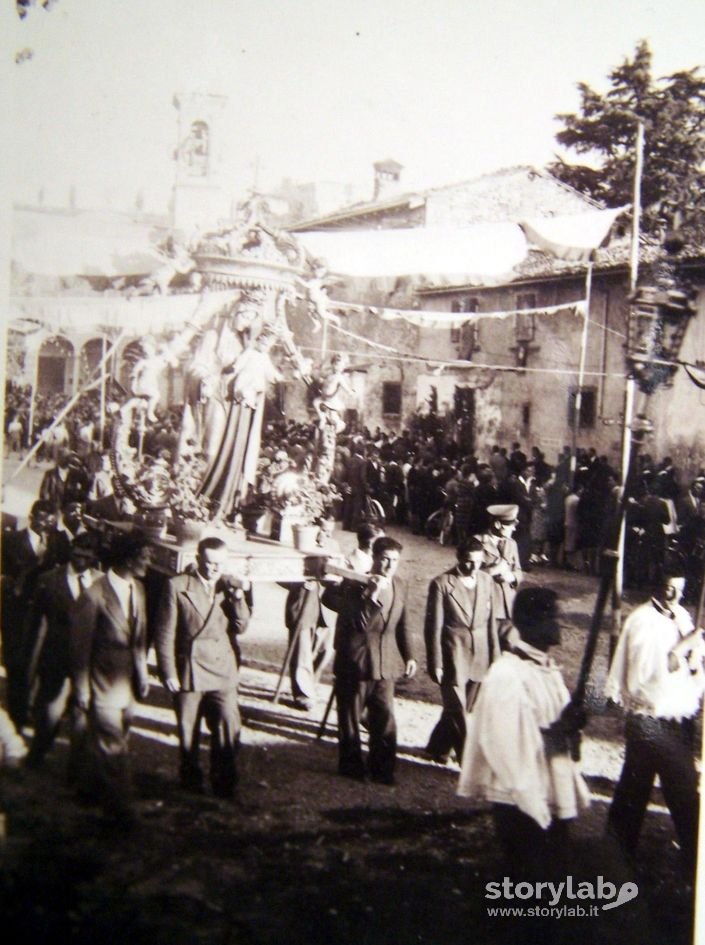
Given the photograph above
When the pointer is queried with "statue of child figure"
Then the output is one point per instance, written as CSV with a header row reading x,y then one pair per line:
x,y
145,375
329,405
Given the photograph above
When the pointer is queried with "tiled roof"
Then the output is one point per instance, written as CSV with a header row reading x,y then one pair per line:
x,y
542,265
492,197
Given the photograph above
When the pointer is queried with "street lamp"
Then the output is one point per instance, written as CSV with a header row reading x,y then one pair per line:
x,y
660,309
658,318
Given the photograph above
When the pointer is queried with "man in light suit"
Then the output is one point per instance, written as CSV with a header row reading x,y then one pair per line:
x,y
461,643
196,638
371,636
501,557
109,668
48,629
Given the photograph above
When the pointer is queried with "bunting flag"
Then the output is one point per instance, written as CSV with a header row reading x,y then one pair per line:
x,y
429,319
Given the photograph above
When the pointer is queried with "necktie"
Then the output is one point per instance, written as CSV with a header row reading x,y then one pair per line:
x,y
83,584
502,546
132,609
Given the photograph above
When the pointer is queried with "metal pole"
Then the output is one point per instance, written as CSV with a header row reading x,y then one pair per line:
x,y
630,389
636,216
581,374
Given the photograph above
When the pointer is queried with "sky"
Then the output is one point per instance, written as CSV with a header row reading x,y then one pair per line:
x,y
317,90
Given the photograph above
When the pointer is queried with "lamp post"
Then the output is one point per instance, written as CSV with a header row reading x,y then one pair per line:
x,y
660,309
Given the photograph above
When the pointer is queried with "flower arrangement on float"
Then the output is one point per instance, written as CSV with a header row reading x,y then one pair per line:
x,y
167,494
295,499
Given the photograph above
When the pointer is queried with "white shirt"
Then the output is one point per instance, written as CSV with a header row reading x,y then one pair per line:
x,y
505,759
639,678
360,561
122,587
37,541
74,579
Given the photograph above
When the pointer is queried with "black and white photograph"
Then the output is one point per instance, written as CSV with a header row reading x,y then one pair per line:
x,y
352,571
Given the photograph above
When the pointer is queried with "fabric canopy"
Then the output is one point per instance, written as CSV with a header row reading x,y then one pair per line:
x,y
137,315
572,237
484,253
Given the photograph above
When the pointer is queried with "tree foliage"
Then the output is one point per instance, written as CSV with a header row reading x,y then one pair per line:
x,y
672,110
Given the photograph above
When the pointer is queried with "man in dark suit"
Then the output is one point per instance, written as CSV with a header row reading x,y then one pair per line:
x,y
196,638
25,555
461,643
109,668
371,636
48,629
355,488
515,491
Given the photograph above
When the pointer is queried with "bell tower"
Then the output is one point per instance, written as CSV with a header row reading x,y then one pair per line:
x,y
200,200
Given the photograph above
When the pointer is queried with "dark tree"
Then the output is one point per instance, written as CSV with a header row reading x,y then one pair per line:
x,y
672,109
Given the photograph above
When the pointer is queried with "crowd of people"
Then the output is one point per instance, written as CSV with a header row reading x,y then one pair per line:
x,y
567,509
77,623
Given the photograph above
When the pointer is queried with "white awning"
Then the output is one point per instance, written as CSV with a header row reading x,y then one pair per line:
x,y
484,252
138,315
572,237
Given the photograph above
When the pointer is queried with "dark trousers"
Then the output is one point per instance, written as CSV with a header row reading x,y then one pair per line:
x,y
663,747
221,712
15,659
377,697
50,704
450,730
108,743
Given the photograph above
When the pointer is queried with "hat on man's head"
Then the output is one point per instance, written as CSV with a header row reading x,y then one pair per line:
x,y
506,514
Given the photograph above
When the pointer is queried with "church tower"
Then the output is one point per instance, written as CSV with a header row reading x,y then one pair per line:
x,y
200,200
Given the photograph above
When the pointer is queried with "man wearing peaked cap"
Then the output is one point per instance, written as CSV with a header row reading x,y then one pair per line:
x,y
501,557
504,513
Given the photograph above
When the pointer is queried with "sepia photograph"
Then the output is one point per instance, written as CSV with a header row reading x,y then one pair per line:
x,y
352,482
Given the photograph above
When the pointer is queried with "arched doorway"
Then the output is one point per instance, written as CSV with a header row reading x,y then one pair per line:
x,y
92,354
129,356
55,366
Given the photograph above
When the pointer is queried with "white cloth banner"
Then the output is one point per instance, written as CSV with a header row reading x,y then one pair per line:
x,y
138,315
428,319
571,237
485,251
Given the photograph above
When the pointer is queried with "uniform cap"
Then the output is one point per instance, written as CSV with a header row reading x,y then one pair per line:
x,y
504,513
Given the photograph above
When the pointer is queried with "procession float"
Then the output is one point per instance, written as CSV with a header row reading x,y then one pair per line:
x,y
230,354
